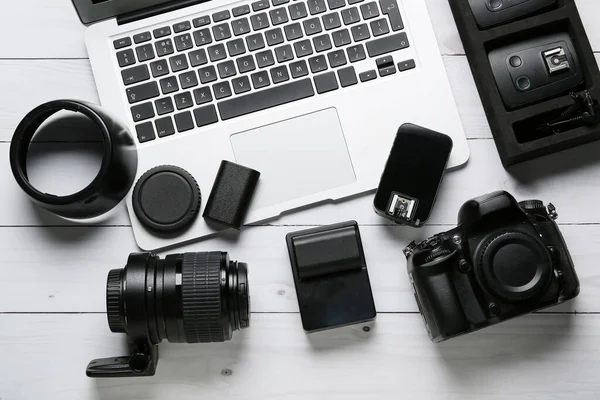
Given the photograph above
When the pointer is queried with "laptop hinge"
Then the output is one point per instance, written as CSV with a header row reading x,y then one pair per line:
x,y
155,10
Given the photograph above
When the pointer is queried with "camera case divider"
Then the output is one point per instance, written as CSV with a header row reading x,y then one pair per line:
x,y
535,71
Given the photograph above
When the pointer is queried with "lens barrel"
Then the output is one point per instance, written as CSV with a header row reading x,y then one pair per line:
x,y
191,297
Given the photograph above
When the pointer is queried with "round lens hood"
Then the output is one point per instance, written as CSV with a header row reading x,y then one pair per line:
x,y
111,184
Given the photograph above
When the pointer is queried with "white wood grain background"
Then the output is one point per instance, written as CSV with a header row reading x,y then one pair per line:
x,y
52,273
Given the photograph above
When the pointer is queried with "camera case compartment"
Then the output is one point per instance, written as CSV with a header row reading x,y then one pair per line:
x,y
516,121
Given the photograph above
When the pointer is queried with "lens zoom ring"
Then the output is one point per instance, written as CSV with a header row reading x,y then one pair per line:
x,y
116,319
201,297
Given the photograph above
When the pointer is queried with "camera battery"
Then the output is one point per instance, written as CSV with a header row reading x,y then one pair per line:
x,y
412,175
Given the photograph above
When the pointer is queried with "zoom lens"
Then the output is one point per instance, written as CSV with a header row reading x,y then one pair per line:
x,y
191,297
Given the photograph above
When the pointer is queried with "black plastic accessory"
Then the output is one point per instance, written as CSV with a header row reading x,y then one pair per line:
x,y
503,260
166,199
111,184
185,298
330,273
231,194
494,12
412,175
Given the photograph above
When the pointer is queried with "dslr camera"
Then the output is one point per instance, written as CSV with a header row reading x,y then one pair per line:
x,y
504,259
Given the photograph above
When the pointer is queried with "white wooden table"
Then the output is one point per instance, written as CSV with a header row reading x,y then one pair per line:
x,y
52,273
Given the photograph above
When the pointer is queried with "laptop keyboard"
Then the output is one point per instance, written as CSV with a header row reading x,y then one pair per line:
x,y
254,57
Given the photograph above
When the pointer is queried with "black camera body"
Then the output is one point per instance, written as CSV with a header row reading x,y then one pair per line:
x,y
504,259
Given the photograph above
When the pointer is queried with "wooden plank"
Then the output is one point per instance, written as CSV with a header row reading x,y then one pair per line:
x,y
65,269
53,29
554,178
532,358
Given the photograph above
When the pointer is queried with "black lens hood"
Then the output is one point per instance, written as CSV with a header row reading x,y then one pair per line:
x,y
111,184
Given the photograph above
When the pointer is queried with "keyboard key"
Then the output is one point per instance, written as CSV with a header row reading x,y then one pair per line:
x,y
299,69
202,37
360,32
188,80
202,95
240,26
380,27
387,71
178,63
334,4
259,21
312,26
145,52
164,106
284,53
356,53
123,42
369,10
135,74
207,74
390,8
198,57
336,58
350,15
317,64
222,90
217,52
164,47
183,42
279,2
265,58
260,79
169,85
241,84
278,16
205,115
201,21
221,16
184,121
341,37
280,74
164,127
406,65
303,48
142,92
331,21
226,69
297,10
125,58
183,100
387,44
142,112
368,75
347,76
142,37
325,82
322,43
274,36
260,5
236,47
255,42
257,101
145,132
161,32
245,64
159,68
354,1
293,31
241,10
221,32
182,26
384,61
316,6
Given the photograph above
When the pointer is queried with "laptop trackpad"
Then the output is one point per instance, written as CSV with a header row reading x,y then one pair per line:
x,y
296,157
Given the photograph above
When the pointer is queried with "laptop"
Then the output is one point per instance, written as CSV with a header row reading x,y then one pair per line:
x,y
308,92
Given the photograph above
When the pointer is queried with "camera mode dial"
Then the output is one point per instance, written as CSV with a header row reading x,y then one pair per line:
x,y
531,205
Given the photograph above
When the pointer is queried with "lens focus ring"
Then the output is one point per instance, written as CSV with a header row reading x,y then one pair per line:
x,y
114,303
201,297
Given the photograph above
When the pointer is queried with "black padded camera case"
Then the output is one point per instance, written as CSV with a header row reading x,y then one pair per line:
x,y
514,130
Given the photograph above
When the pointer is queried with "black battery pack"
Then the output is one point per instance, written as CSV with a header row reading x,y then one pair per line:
x,y
412,175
